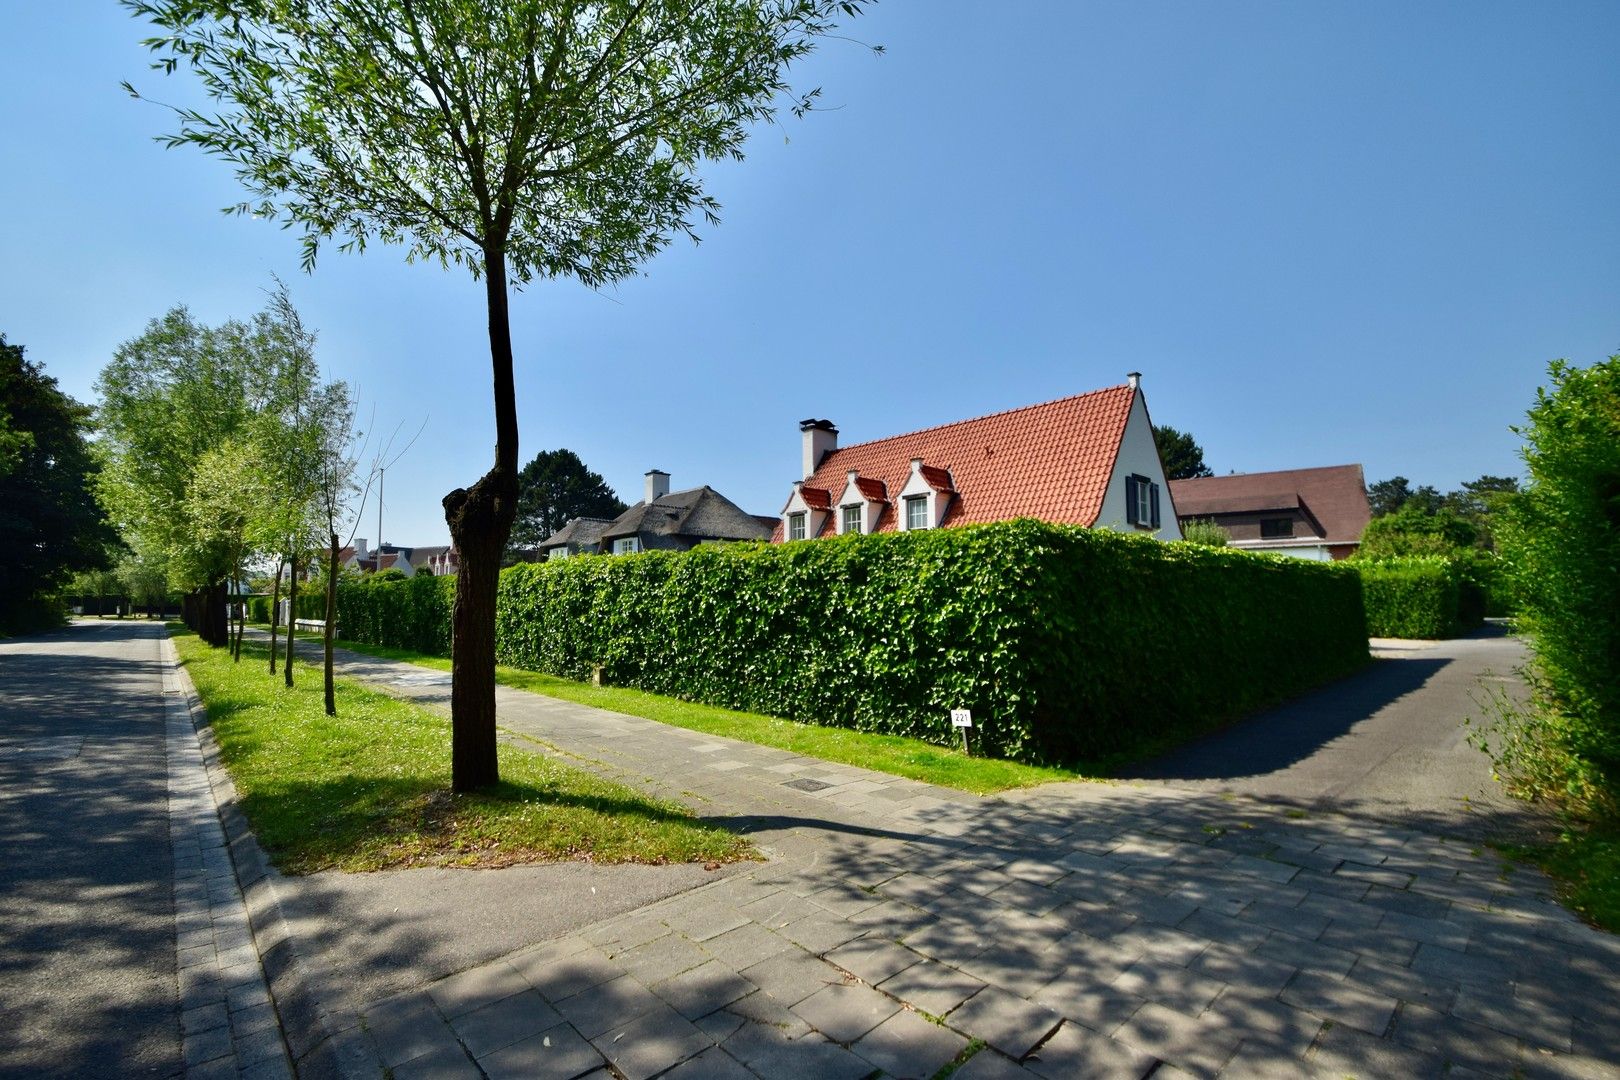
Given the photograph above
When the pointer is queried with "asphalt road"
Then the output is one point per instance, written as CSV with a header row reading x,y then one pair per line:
x,y
1390,742
87,961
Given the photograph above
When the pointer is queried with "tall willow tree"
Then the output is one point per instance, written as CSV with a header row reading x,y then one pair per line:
x,y
516,138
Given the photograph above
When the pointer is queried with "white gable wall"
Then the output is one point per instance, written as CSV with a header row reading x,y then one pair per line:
x,y
1139,455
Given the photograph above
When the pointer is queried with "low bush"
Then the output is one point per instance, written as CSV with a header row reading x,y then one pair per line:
x,y
1416,597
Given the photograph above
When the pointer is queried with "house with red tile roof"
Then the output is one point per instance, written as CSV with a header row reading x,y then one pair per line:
x,y
1308,513
1085,460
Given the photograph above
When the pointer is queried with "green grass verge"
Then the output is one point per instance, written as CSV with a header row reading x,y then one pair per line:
x,y
1586,864
369,789
893,754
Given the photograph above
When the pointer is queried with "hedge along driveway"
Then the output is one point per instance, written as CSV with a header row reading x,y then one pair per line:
x,y
1066,643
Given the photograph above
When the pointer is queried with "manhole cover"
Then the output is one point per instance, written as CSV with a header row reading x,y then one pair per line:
x,y
807,784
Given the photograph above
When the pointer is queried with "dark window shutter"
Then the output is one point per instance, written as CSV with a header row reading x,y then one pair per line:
x,y
1153,493
1131,515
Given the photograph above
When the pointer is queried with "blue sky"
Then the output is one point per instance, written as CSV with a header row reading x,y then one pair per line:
x,y
1325,233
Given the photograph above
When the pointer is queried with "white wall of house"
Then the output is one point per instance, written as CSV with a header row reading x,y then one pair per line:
x,y
1139,455
938,501
813,519
1314,552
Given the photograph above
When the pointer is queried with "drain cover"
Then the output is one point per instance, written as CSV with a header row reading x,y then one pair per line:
x,y
807,784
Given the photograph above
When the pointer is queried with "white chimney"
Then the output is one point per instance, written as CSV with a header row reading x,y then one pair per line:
x,y
1135,379
657,484
820,439
360,551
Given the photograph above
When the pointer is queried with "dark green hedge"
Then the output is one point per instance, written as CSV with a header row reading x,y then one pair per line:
x,y
311,603
1420,597
1066,643
410,613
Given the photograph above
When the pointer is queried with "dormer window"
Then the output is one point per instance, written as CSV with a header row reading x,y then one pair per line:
x,y
850,518
916,512
796,526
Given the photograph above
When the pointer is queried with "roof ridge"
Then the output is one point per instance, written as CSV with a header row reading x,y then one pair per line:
x,y
975,419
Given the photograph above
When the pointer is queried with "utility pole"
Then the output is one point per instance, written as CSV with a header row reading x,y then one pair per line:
x,y
380,472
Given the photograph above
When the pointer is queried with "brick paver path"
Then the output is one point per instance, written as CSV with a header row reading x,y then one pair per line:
x,y
1067,931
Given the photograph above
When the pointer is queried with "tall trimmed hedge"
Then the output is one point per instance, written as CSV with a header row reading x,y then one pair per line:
x,y
409,613
1423,596
1066,643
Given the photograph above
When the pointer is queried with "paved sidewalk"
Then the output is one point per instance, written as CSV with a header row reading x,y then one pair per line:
x,y
1073,930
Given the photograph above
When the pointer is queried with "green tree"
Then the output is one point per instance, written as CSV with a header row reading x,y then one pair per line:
x,y
1561,545
1183,458
1412,531
1205,534
516,138
50,524
553,489
1388,496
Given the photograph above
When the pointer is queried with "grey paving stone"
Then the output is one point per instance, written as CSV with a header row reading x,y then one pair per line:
x,y
248,1021
651,1044
1444,932
1404,984
792,976
811,1059
444,1063
1341,1001
558,1054
908,1047
932,987
571,974
1307,955
1344,1051
1011,1024
1497,1008
1201,1046
477,987
703,989
989,1065
256,1046
845,1013
1243,970
707,921
873,959
510,1020
1407,902
819,933
760,1010
399,1038
660,958
276,1068
1169,984
204,1018
1293,920
595,1010
1368,943
205,1046
713,1064
746,945
1463,967
1075,1053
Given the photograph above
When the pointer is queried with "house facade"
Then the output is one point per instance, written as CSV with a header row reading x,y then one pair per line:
x,y
1084,460
1307,513
663,520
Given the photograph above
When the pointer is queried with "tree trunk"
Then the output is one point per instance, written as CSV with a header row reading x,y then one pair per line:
x,y
331,621
292,617
275,613
480,520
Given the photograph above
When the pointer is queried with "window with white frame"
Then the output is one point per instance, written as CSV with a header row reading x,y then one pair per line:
x,y
627,545
851,518
558,552
916,512
796,526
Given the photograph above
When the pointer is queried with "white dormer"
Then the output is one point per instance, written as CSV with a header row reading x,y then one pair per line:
x,y
925,498
806,512
860,504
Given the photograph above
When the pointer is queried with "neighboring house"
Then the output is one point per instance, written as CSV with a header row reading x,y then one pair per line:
x,y
1309,513
583,534
1085,460
422,559
675,521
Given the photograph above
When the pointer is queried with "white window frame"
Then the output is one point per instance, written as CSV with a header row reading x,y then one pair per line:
x,y
797,526
843,518
627,545
558,552
920,504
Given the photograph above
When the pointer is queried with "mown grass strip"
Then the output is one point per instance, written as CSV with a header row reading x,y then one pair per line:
x,y
369,789
892,754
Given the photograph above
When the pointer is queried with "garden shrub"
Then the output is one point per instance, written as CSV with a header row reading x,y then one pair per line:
x,y
400,612
1066,643
1560,544
1416,597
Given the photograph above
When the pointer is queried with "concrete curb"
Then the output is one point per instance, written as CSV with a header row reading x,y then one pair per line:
x,y
322,1044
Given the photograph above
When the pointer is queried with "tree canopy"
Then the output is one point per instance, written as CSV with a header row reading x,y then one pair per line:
x,y
50,523
517,138
554,488
1182,456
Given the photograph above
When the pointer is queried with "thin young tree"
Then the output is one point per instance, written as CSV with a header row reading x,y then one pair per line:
x,y
335,487
516,138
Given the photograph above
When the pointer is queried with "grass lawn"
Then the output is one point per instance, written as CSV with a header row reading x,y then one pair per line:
x,y
369,789
883,753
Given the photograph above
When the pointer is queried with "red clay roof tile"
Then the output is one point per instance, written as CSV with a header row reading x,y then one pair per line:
x,y
1050,461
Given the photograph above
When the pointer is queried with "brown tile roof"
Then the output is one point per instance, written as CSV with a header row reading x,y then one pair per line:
x,y
872,489
937,478
816,498
1336,496
1050,461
